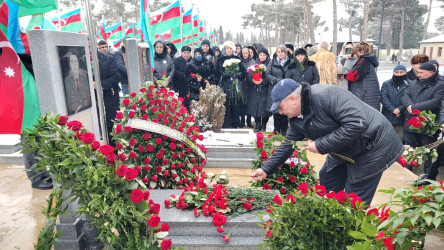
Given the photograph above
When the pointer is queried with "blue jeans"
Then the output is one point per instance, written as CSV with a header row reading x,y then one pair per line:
x,y
336,180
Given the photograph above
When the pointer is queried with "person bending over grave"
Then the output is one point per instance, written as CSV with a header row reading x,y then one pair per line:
x,y
360,141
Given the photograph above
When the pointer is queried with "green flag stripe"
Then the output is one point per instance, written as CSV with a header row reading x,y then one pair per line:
x,y
73,27
31,107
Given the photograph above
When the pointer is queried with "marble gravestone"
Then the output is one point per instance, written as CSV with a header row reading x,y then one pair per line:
x,y
63,75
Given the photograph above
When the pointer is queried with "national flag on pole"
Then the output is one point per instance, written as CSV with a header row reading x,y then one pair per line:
x,y
145,23
117,43
32,7
10,26
114,32
39,21
130,31
138,30
187,27
20,105
165,19
102,34
70,21
201,31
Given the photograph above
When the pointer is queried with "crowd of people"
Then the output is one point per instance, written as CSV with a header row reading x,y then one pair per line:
x,y
354,69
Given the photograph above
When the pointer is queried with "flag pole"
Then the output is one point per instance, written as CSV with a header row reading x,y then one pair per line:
x,y
192,25
93,51
181,24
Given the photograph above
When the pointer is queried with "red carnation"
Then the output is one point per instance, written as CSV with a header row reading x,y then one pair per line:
x,y
130,174
172,146
154,221
303,188
121,171
167,203
126,102
247,206
414,163
151,87
133,94
259,144
264,154
132,142
118,129
341,196
128,129
158,169
106,149
166,244
95,145
88,138
119,116
268,234
131,114
132,155
304,170
320,190
141,149
119,146
219,219
283,190
292,179
149,148
137,195
416,112
154,208
146,136
259,136
165,227
330,195
158,141
122,157
277,199
220,230
63,119
75,125
154,178
145,117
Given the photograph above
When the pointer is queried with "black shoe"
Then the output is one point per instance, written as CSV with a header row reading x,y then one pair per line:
x,y
42,185
242,121
249,122
263,127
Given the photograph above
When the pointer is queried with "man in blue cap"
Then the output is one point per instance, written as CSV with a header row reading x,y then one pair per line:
x,y
340,125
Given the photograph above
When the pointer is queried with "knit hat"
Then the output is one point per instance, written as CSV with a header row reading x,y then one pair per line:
x,y
308,44
186,48
428,66
207,42
434,62
200,50
399,67
230,44
289,46
300,51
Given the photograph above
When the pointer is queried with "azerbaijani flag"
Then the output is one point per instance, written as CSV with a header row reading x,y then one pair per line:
x,y
102,34
117,43
165,19
70,21
40,22
20,105
33,7
187,28
144,21
10,26
114,32
130,31
201,31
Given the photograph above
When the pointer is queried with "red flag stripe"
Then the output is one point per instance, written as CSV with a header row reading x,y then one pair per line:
x,y
172,13
186,19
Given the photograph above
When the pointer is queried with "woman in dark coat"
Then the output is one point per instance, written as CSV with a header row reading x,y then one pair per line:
x,y
224,80
163,64
276,71
180,79
416,61
199,65
253,53
246,61
303,70
172,50
216,51
260,96
362,79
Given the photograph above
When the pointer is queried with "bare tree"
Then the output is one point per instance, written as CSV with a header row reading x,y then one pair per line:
x,y
365,22
426,25
335,29
310,21
401,33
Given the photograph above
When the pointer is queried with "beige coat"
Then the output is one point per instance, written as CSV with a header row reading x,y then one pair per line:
x,y
326,65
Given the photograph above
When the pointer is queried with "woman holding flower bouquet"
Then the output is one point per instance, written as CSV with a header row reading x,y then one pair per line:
x,y
227,74
199,70
163,64
246,61
303,70
261,92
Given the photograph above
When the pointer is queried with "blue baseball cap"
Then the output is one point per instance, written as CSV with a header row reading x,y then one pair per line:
x,y
282,89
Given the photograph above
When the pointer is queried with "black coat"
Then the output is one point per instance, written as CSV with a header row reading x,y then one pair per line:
x,y
120,66
224,79
258,105
180,80
202,68
309,75
339,122
411,75
109,77
276,72
391,99
424,95
363,81
247,81
162,63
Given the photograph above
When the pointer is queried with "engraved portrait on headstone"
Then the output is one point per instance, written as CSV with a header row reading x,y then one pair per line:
x,y
75,78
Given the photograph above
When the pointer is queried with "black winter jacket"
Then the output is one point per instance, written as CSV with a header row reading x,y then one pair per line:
x,y
424,94
109,77
363,81
310,74
120,66
202,68
276,72
162,63
339,122
224,79
391,99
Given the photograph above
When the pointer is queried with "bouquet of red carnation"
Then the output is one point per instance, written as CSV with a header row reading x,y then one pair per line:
x,y
424,121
